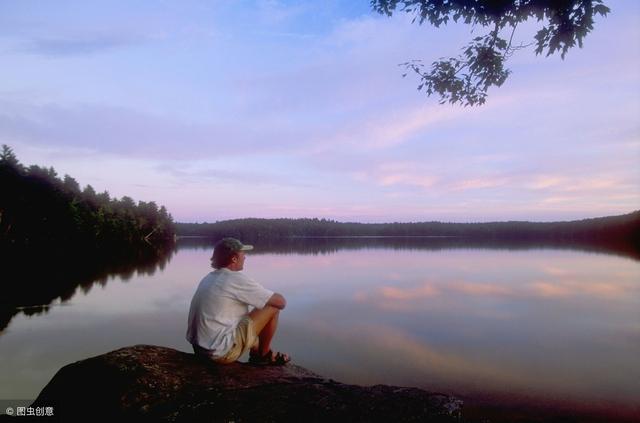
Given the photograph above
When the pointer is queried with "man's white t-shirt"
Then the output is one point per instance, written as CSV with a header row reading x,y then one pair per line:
x,y
223,297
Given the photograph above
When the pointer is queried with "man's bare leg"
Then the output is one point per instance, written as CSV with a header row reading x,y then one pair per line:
x,y
265,323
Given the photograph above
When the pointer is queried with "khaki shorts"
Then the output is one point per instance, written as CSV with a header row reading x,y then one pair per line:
x,y
243,339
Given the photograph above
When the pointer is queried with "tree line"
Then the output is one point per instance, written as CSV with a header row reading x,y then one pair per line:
x,y
56,237
612,229
41,211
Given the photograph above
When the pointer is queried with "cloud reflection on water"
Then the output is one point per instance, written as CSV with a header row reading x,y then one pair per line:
x,y
542,324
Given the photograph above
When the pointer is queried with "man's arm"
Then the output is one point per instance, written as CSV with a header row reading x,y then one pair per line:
x,y
277,301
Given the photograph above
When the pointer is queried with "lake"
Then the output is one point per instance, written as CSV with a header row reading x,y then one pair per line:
x,y
551,332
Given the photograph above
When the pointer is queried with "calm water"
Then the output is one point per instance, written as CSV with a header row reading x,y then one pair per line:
x,y
552,328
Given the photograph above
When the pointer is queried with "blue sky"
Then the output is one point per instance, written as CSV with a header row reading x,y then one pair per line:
x,y
226,109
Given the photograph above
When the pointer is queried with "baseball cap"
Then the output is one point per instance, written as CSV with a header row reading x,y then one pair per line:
x,y
232,244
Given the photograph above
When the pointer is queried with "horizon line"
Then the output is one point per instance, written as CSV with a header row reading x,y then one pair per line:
x,y
410,222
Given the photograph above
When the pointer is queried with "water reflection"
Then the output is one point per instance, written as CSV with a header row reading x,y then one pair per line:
x,y
34,281
510,325
538,327
327,245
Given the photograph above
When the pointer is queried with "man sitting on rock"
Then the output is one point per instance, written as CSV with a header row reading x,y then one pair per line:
x,y
221,325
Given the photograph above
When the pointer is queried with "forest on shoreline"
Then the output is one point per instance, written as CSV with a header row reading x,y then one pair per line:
x,y
58,236
55,236
612,229
41,211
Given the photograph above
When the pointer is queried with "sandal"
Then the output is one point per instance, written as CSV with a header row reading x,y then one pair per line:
x,y
269,359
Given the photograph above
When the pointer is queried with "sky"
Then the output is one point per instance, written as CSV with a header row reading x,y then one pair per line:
x,y
271,108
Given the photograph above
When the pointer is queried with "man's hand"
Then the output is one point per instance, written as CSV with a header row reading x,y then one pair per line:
x,y
277,301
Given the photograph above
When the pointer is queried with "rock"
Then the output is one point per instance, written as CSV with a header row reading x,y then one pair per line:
x,y
151,383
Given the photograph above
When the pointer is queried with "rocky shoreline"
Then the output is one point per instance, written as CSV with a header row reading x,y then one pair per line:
x,y
152,383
